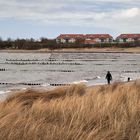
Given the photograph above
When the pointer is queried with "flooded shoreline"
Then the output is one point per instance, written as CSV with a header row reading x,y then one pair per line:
x,y
23,70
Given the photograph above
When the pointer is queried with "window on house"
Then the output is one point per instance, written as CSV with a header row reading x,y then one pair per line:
x,y
102,40
124,40
67,40
135,39
110,40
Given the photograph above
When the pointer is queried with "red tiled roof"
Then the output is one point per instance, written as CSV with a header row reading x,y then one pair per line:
x,y
129,36
98,36
84,36
70,36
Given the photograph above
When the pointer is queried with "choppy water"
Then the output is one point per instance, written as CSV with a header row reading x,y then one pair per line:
x,y
19,69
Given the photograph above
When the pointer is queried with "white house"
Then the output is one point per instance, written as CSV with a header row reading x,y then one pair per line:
x,y
98,38
69,38
123,38
89,38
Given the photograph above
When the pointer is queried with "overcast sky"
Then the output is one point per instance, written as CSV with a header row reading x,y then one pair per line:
x,y
49,18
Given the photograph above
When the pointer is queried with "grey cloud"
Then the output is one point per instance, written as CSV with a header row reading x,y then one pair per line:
x,y
100,13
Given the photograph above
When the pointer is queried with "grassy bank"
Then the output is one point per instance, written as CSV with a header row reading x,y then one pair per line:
x,y
107,112
77,50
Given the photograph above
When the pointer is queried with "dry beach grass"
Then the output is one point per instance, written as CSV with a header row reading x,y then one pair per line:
x,y
106,112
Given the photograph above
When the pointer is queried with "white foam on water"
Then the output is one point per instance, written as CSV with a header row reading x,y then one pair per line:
x,y
24,88
81,81
4,92
94,78
124,78
98,77
95,84
45,85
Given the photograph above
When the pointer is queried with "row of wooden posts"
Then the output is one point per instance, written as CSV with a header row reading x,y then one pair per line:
x,y
45,70
43,63
52,60
33,84
32,60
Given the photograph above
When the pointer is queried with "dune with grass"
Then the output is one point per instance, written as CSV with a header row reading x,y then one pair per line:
x,y
76,112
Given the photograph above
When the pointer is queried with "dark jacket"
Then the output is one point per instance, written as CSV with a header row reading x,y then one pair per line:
x,y
109,76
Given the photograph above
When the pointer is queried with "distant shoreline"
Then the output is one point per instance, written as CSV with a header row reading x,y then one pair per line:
x,y
77,50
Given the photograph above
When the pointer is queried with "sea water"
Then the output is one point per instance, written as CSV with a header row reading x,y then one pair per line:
x,y
23,70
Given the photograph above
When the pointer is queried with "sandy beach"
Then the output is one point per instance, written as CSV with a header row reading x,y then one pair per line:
x,y
78,50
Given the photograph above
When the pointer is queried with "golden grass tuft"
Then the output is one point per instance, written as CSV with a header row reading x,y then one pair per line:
x,y
107,112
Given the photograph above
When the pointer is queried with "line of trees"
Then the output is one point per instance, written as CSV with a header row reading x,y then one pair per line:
x,y
32,44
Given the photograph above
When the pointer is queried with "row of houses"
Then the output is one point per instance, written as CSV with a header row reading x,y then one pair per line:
x,y
96,38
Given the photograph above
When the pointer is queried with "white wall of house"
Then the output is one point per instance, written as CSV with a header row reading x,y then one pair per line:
x,y
105,40
88,39
57,40
120,40
127,40
60,40
63,40
97,40
72,40
109,40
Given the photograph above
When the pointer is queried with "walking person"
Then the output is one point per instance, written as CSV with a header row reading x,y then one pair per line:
x,y
108,77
